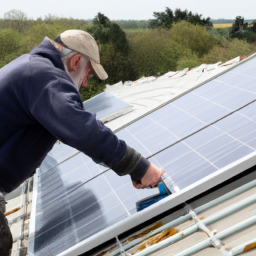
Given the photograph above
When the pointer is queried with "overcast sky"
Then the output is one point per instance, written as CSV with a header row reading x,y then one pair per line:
x,y
130,9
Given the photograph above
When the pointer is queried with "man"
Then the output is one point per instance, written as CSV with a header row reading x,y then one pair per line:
x,y
40,103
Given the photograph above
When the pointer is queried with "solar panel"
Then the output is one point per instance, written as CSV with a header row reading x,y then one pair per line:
x,y
189,113
58,154
106,106
70,209
209,150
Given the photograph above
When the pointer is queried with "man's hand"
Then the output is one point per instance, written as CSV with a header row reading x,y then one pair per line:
x,y
151,178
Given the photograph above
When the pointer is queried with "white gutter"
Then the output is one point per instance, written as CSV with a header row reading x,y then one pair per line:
x,y
168,203
227,232
186,217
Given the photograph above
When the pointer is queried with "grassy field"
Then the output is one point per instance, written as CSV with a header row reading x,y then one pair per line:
x,y
225,25
135,30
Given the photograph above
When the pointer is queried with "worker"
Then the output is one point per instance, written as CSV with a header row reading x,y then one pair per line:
x,y
40,104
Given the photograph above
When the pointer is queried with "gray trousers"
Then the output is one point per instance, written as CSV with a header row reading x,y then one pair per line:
x,y
2,202
5,233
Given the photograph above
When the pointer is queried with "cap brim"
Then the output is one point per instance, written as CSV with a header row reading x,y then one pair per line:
x,y
99,70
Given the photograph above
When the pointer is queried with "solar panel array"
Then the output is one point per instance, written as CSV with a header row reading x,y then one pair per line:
x,y
78,198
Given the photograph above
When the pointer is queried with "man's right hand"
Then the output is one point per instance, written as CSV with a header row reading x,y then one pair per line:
x,y
151,178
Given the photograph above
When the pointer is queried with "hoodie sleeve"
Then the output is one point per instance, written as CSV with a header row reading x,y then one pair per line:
x,y
58,107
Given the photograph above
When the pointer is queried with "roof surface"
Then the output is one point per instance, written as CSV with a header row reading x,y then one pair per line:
x,y
144,95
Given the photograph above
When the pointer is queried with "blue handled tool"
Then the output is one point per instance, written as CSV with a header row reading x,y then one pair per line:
x,y
164,191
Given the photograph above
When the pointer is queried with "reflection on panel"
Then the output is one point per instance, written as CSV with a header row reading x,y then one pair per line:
x,y
74,213
66,177
105,104
58,154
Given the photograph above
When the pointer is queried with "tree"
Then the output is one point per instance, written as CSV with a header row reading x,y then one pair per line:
x,y
243,31
10,41
193,37
16,20
114,51
166,19
104,31
253,26
162,19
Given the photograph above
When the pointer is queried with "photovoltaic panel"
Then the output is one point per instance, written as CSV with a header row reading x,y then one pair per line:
x,y
70,209
58,154
191,112
215,147
106,106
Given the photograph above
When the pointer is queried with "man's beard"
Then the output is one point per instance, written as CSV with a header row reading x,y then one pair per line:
x,y
78,75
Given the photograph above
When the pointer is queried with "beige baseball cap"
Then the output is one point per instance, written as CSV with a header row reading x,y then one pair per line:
x,y
84,43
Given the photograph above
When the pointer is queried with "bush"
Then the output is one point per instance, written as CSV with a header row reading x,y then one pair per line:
x,y
249,36
146,48
194,37
10,44
220,33
228,50
37,34
173,53
95,87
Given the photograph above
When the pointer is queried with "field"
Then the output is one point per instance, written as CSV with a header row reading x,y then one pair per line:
x,y
225,25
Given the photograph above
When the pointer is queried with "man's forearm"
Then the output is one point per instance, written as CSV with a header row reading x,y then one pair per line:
x,y
132,163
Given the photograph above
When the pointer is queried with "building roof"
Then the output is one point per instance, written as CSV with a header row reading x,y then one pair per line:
x,y
145,95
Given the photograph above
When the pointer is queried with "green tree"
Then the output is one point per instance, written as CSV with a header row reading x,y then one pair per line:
x,y
193,37
10,45
146,52
16,20
114,51
243,31
104,31
166,19
162,19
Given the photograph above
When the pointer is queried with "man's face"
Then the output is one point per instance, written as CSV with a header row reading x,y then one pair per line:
x,y
88,71
79,69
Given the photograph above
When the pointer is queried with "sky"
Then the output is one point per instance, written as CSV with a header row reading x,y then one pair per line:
x,y
129,9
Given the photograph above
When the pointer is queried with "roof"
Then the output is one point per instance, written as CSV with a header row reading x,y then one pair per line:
x,y
145,95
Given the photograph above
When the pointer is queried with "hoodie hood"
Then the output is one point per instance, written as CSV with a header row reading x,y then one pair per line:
x,y
47,50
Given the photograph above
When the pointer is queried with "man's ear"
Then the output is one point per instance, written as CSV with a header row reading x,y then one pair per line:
x,y
73,62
